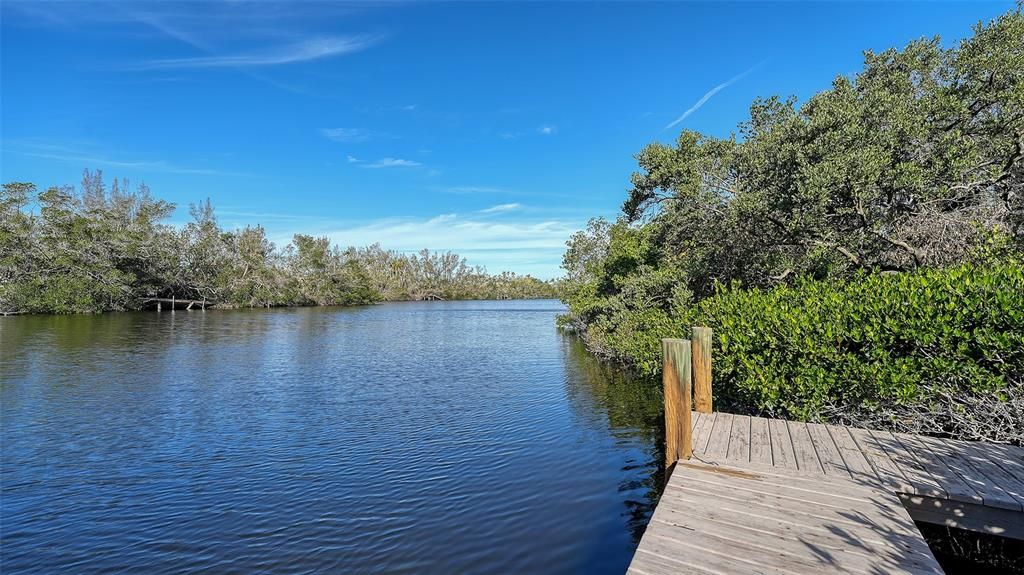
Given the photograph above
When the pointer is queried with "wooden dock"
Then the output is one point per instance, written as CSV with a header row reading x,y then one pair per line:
x,y
761,495
175,303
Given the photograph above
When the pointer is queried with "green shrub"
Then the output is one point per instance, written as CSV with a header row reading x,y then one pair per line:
x,y
878,346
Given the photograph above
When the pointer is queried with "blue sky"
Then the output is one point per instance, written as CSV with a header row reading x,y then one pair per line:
x,y
492,129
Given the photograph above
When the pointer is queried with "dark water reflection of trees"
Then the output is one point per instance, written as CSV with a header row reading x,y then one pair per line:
x,y
631,407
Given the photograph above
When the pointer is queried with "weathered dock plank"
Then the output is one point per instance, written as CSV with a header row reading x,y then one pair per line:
x,y
729,519
855,461
782,444
760,442
956,488
702,432
774,496
806,456
721,431
828,453
984,470
739,439
885,468
921,482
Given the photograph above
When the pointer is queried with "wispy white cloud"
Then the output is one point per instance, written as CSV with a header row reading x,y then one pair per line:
x,y
217,21
442,219
474,190
93,158
347,135
501,208
543,130
501,191
264,216
208,28
162,24
710,93
302,51
392,163
215,18
384,163
378,108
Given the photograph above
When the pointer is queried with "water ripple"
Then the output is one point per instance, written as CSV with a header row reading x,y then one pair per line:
x,y
466,437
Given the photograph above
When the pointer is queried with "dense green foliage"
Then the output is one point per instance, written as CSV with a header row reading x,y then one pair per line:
x,y
98,249
845,229
874,347
915,351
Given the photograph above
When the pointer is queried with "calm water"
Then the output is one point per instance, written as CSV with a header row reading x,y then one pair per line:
x,y
403,438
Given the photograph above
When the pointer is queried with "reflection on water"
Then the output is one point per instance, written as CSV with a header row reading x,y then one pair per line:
x,y
630,412
406,438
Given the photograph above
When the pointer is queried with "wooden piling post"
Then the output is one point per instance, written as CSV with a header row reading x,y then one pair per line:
x,y
172,303
676,378
702,369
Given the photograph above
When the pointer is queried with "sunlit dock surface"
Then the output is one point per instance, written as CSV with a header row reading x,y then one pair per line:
x,y
774,496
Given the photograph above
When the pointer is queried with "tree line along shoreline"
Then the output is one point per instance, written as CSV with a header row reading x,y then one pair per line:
x,y
100,248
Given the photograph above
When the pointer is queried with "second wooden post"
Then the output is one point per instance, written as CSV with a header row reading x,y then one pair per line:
x,y
702,369
677,379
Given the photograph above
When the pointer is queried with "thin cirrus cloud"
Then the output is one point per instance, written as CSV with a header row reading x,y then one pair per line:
x,y
354,135
93,156
304,51
384,163
492,190
710,94
346,135
543,130
474,190
501,208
